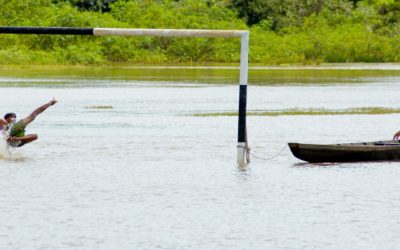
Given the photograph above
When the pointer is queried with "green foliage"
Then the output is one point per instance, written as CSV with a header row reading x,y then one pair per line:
x,y
90,5
286,13
282,31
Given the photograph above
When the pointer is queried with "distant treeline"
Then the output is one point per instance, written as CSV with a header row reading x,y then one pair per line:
x,y
282,31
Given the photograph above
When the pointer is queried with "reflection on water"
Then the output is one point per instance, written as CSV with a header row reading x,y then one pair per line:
x,y
330,165
258,75
146,174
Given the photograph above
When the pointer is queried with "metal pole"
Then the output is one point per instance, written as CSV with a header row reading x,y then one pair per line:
x,y
47,30
244,64
167,32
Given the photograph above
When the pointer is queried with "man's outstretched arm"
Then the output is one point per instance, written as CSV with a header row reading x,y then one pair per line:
x,y
37,111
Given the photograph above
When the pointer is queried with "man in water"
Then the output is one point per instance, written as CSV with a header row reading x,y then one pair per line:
x,y
15,130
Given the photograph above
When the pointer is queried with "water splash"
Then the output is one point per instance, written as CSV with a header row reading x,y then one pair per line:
x,y
5,152
8,153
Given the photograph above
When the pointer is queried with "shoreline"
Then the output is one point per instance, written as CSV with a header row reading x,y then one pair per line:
x,y
216,66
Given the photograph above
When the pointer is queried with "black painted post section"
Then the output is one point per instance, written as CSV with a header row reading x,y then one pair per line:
x,y
47,30
242,113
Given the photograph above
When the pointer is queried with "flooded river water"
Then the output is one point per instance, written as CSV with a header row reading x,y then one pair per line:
x,y
122,163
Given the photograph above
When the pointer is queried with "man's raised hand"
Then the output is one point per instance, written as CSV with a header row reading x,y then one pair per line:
x,y
52,102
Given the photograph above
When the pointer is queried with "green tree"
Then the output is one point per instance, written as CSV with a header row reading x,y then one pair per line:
x,y
285,13
90,5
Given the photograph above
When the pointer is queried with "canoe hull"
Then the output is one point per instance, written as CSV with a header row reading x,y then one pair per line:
x,y
347,152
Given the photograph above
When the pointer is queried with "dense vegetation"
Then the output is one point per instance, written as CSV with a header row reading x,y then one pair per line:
x,y
282,31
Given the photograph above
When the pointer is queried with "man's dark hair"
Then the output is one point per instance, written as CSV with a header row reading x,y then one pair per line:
x,y
8,115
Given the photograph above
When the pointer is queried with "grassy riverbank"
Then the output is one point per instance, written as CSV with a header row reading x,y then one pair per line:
x,y
336,31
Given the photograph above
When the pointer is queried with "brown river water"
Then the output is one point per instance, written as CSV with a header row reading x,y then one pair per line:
x,y
122,163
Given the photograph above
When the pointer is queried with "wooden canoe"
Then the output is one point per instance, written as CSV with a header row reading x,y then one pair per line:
x,y
347,152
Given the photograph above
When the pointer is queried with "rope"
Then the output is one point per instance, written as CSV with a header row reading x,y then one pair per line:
x,y
270,158
248,150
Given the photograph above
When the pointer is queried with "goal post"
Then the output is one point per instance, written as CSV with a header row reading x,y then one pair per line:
x,y
242,147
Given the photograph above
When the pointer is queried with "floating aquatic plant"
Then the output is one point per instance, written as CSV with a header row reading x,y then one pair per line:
x,y
312,111
100,107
